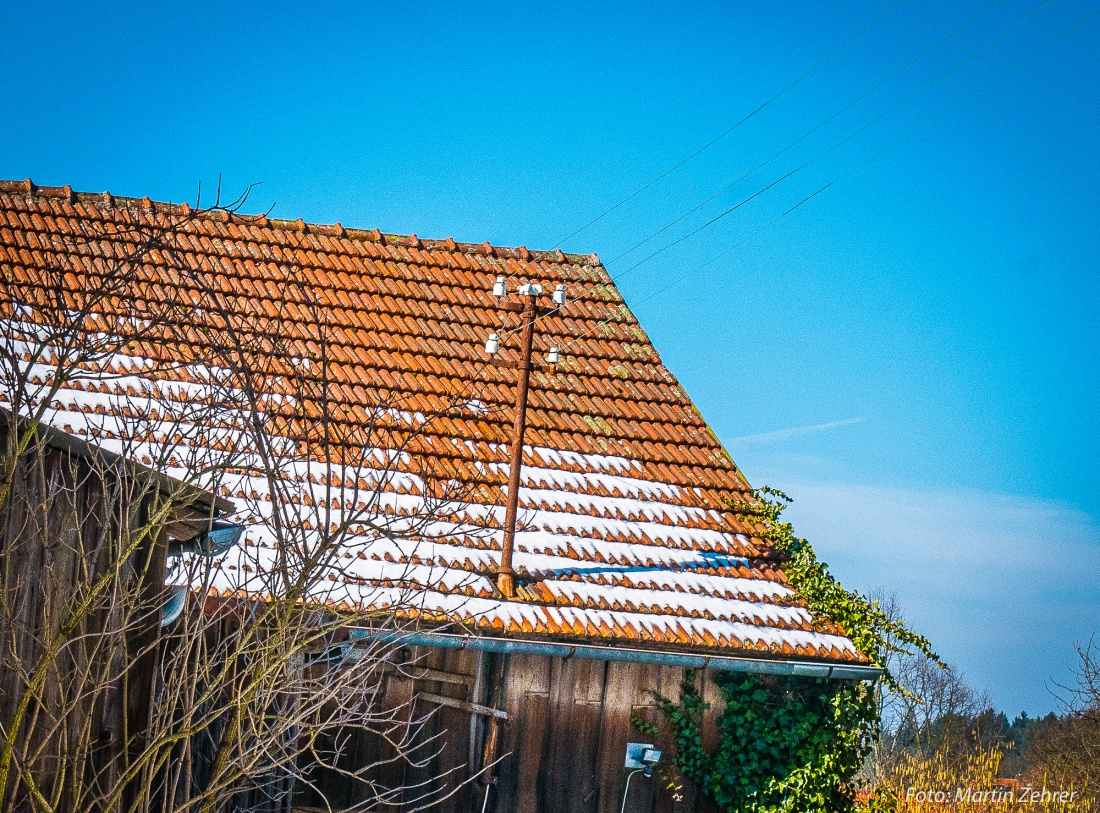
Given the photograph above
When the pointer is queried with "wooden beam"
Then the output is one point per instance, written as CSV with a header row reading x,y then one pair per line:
x,y
462,705
424,673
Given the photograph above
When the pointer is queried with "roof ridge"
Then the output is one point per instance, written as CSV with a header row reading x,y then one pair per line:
x,y
105,200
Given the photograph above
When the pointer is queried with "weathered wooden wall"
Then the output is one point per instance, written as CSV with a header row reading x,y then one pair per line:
x,y
82,571
58,538
569,723
561,750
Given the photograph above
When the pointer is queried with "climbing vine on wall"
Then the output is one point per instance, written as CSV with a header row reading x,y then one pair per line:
x,y
873,632
786,743
791,743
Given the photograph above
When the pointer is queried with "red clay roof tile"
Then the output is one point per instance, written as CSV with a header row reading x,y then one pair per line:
x,y
622,472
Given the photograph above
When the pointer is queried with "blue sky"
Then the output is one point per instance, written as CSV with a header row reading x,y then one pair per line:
x,y
914,353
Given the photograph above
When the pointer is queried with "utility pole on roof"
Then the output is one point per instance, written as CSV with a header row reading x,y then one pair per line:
x,y
529,313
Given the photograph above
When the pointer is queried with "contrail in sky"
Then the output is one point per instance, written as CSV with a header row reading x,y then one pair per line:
x,y
794,431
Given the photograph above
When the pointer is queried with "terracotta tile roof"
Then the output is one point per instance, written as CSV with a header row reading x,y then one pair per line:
x,y
625,532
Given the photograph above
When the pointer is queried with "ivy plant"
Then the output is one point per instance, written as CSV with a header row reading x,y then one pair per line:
x,y
791,743
786,743
874,633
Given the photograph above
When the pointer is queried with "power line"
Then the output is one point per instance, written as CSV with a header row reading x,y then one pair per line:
x,y
810,132
507,333
805,200
715,140
853,169
742,121
850,136
835,146
817,157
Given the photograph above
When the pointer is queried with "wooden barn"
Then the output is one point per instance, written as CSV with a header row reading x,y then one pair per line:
x,y
83,552
590,550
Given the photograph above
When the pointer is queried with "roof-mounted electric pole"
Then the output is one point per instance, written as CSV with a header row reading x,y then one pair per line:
x,y
530,312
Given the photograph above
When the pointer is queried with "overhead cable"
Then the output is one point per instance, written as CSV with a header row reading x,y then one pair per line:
x,y
853,169
722,135
835,146
815,159
810,132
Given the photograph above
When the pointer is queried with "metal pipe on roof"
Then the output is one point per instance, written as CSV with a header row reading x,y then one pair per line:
x,y
723,663
505,573
529,313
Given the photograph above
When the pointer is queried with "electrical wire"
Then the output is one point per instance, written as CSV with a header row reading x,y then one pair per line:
x,y
722,135
891,145
506,333
853,169
837,145
614,277
811,131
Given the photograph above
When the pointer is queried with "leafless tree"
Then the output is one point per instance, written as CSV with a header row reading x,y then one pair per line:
x,y
257,691
936,712
1066,752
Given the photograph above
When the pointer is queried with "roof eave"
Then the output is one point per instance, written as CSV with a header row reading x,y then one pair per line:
x,y
725,663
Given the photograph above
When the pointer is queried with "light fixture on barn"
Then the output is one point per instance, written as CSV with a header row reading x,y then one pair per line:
x,y
642,758
529,311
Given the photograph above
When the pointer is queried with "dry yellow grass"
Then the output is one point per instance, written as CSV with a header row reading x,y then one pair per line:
x,y
970,785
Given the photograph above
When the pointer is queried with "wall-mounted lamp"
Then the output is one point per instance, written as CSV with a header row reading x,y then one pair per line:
x,y
642,757
650,757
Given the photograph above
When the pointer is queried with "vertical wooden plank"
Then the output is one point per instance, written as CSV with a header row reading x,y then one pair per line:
x,y
664,798
62,530
552,779
150,560
621,695
524,736
583,734
366,750
643,791
454,760
711,733
600,678
396,696
481,692
428,739
568,782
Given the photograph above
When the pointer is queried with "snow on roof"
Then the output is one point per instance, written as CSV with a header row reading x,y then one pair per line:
x,y
625,530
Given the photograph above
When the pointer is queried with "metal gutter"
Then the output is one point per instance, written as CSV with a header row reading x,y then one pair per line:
x,y
516,646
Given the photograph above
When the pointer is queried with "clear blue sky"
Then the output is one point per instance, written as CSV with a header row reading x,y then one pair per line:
x,y
914,353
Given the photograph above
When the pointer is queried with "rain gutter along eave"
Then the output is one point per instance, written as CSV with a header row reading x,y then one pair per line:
x,y
520,646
